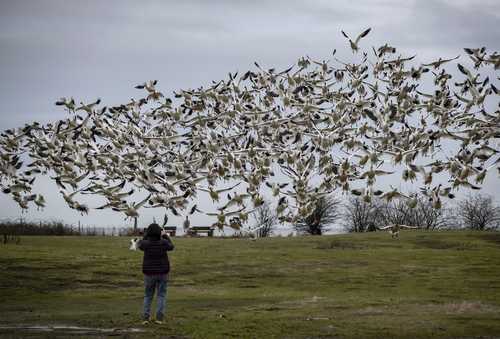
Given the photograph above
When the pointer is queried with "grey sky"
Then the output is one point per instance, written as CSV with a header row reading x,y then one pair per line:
x,y
91,49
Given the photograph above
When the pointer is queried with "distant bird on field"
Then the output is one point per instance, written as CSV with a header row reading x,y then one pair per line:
x,y
395,228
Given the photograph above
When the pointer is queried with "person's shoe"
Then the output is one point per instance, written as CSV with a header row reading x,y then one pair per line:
x,y
159,322
145,322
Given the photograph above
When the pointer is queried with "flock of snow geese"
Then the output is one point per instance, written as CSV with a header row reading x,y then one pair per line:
x,y
304,132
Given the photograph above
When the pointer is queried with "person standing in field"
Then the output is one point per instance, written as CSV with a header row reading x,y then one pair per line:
x,y
155,266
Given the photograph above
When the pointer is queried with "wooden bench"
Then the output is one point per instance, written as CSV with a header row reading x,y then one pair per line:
x,y
195,230
170,230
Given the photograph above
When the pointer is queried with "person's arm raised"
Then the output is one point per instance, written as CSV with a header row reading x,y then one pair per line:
x,y
167,240
140,244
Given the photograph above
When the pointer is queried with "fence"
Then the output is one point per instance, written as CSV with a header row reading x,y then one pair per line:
x,y
23,227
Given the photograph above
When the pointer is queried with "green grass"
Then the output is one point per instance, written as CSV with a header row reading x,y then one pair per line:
x,y
426,284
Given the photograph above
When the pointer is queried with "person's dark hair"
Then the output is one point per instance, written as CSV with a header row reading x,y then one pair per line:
x,y
153,232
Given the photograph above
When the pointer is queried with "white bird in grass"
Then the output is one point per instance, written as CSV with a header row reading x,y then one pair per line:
x,y
133,244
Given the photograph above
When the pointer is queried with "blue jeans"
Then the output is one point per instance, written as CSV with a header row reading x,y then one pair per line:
x,y
152,282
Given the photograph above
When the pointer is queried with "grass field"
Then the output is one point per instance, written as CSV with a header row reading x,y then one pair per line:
x,y
427,284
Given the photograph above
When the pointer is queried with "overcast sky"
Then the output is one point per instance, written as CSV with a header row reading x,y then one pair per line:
x,y
91,49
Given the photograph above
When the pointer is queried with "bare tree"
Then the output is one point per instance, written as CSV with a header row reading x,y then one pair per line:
x,y
421,214
361,216
428,217
478,212
327,210
265,220
395,212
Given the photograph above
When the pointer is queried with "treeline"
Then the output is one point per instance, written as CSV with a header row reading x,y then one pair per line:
x,y
361,216
23,227
356,214
475,212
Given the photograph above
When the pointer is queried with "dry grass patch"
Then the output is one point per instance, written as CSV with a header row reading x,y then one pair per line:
x,y
468,307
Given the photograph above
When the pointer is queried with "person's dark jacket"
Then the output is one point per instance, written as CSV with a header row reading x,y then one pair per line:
x,y
155,250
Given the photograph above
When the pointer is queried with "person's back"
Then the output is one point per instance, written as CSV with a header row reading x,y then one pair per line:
x,y
155,266
155,259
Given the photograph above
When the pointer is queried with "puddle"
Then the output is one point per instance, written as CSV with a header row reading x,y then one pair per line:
x,y
71,329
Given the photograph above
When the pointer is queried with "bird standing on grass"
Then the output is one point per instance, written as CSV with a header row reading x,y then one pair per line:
x,y
394,229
